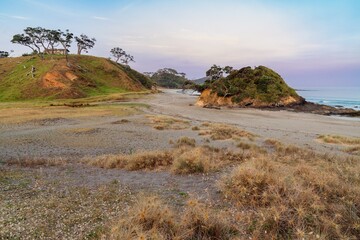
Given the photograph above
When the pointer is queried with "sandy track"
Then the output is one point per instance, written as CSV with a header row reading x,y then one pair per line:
x,y
289,127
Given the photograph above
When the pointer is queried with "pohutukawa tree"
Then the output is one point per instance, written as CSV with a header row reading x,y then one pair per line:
x,y
84,43
65,39
215,72
4,54
120,55
41,40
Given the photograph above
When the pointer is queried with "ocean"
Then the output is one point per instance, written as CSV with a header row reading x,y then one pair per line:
x,y
347,97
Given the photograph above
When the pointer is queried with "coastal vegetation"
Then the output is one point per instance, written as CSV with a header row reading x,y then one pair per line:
x,y
258,87
170,78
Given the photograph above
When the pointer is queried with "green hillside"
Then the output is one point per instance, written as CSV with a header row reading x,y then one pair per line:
x,y
53,78
256,87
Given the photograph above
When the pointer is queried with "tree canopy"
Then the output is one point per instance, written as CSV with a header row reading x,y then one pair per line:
x,y
120,55
84,43
4,54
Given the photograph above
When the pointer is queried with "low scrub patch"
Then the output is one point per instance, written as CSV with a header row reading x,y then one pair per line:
x,y
138,161
186,141
352,145
294,193
151,218
162,122
181,160
223,132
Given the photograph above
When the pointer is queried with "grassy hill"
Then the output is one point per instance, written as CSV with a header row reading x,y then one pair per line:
x,y
53,78
258,87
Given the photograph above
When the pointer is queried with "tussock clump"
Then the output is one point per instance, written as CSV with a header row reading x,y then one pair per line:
x,y
161,122
186,141
353,144
203,160
195,128
339,139
151,218
143,160
295,193
223,132
182,160
35,162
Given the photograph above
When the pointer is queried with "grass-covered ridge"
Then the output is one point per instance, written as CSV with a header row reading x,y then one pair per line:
x,y
260,86
53,78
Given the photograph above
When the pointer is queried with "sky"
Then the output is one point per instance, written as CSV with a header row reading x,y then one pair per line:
x,y
310,43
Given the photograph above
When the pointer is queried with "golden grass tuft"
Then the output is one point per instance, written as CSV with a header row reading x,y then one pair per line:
x,y
223,132
138,161
339,139
162,122
36,162
195,128
184,159
186,141
294,193
352,144
151,218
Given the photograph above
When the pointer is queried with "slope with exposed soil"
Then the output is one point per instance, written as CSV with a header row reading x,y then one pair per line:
x,y
52,78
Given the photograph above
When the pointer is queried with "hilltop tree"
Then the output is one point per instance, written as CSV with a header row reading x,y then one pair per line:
x,y
39,39
84,43
215,72
120,54
65,39
26,41
228,69
4,54
170,78
53,37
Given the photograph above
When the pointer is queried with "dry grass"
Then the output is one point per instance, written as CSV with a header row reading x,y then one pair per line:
x,y
352,145
223,132
195,128
339,139
186,141
184,159
162,122
294,194
151,218
35,162
137,161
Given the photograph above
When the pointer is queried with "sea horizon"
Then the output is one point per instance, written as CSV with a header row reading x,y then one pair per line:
x,y
346,97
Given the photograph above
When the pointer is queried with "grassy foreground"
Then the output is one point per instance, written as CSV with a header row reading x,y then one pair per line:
x,y
281,192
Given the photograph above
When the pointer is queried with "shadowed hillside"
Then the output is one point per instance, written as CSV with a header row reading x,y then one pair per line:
x,y
52,78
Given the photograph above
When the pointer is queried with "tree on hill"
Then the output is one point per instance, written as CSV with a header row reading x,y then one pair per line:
x,y
84,43
65,39
4,54
169,78
41,40
53,37
120,54
26,41
216,72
